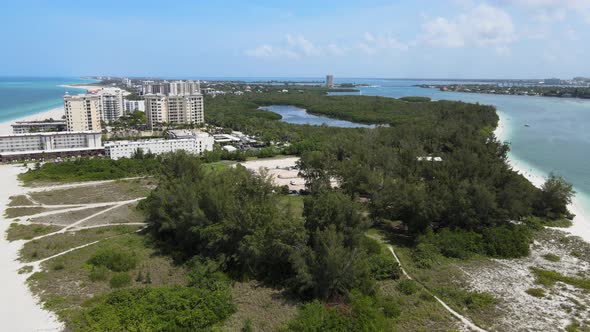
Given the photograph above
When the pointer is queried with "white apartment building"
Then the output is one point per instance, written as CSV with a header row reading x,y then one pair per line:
x,y
126,149
23,127
134,105
174,109
82,112
184,88
33,145
111,104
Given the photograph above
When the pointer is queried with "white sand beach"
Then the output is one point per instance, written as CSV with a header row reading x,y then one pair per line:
x,y
84,87
19,309
56,113
581,223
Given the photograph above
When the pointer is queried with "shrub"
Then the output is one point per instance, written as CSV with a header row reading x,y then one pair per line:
x,y
171,308
362,314
407,287
98,273
114,260
507,241
390,307
552,257
384,266
536,292
425,255
120,280
459,243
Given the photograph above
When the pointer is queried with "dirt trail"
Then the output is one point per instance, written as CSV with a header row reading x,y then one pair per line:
x,y
466,322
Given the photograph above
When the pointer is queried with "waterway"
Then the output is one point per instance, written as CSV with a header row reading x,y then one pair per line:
x,y
296,115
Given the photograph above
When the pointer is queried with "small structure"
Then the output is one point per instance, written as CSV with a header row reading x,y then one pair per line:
x,y
23,127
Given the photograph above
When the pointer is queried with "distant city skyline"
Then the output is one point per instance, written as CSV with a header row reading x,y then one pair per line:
x,y
373,38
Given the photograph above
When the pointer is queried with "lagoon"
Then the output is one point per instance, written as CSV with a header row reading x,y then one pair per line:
x,y
297,115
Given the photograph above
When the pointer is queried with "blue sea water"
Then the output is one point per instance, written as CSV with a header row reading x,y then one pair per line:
x,y
22,96
293,114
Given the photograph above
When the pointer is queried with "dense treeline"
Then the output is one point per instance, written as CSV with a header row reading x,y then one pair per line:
x,y
233,218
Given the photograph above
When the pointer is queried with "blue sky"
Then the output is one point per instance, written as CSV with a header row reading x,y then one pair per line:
x,y
290,38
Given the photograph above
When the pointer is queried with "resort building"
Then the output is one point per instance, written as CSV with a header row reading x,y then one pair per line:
x,y
196,144
134,105
23,127
82,112
174,109
50,145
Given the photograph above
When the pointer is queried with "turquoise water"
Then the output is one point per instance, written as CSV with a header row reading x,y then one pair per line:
x,y
293,114
22,96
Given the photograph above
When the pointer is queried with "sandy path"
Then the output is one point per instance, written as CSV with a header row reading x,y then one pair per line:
x,y
19,310
77,184
581,223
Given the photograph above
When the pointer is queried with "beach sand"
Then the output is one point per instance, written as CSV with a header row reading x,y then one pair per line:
x,y
56,113
581,223
19,309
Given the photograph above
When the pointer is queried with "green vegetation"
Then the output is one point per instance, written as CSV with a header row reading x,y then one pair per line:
x,y
27,232
549,278
536,292
166,308
416,99
552,257
114,260
19,200
15,212
120,280
85,169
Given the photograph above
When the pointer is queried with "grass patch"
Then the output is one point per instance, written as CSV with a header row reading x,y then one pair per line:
x,y
120,215
266,309
20,200
27,232
54,244
67,218
25,269
536,292
79,281
13,212
552,257
549,278
106,192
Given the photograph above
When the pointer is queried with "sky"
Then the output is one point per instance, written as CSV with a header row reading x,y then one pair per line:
x,y
296,38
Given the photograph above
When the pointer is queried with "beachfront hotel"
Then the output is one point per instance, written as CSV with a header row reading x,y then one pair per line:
x,y
23,127
174,109
50,145
194,143
111,104
82,112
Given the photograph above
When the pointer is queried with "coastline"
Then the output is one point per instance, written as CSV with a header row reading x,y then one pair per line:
x,y
581,223
20,311
55,113
82,87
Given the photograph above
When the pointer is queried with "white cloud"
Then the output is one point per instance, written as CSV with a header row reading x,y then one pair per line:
x,y
483,25
373,44
553,10
267,51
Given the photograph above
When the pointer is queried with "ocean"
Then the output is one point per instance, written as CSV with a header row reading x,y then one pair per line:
x,y
23,96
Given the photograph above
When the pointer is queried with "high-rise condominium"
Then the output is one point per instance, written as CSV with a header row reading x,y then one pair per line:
x,y
174,109
329,81
82,112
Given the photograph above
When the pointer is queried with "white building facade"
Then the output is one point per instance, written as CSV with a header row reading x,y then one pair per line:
x,y
126,149
41,145
134,105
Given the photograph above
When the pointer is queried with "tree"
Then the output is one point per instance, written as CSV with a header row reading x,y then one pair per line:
x,y
556,194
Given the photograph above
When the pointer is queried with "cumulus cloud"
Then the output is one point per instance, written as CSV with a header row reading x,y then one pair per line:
x,y
483,25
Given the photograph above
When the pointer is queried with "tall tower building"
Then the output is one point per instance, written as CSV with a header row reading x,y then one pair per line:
x,y
329,81
111,104
82,112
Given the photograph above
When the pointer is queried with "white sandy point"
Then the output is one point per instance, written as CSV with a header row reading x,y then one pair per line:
x,y
56,114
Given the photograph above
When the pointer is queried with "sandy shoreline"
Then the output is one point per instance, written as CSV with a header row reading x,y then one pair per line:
x,y
83,87
56,113
19,309
581,223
